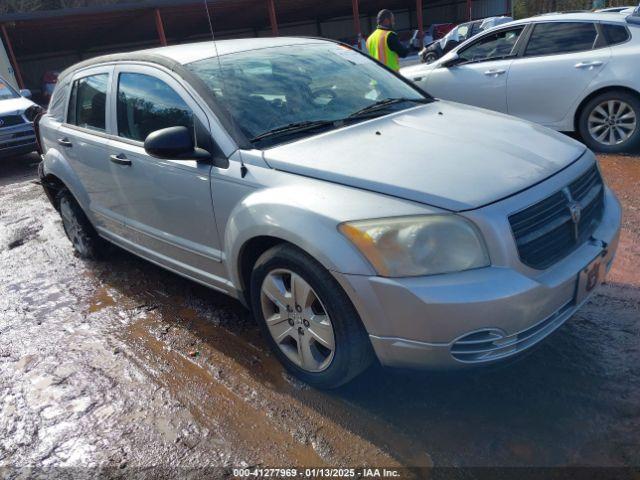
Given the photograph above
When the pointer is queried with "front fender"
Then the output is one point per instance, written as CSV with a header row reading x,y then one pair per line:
x,y
314,230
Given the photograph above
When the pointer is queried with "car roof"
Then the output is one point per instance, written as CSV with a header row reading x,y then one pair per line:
x,y
192,52
609,17
613,9
180,55
176,57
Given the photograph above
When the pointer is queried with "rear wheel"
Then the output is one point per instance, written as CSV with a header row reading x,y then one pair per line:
x,y
610,122
308,319
83,237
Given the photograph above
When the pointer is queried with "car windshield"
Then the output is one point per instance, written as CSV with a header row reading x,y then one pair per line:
x,y
6,91
268,89
453,34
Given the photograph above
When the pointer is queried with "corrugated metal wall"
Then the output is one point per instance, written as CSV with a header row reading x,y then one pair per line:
x,y
490,8
436,11
456,12
443,11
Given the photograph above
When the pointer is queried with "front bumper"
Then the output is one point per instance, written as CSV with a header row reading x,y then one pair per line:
x,y
17,140
418,322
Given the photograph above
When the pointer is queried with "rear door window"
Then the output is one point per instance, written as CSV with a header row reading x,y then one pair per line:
x,y
147,104
88,103
561,37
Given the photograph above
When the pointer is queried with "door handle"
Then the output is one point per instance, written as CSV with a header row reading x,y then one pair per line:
x,y
120,159
494,73
65,142
588,65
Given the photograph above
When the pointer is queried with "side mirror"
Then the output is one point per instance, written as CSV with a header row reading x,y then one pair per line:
x,y
25,92
450,60
174,143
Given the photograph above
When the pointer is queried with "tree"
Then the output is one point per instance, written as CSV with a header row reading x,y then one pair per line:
x,y
21,6
528,8
12,6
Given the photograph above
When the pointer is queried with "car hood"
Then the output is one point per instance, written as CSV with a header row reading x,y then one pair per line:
x,y
442,154
14,105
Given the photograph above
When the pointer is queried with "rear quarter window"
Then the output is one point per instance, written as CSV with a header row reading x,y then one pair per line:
x,y
57,103
615,34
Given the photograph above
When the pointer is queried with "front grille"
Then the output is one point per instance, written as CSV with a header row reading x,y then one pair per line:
x,y
548,231
11,120
17,139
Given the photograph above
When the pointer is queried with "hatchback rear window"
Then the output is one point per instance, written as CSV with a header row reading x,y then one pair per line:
x,y
561,37
615,34
88,104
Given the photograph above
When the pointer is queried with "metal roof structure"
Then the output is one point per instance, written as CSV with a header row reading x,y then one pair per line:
x,y
87,31
60,30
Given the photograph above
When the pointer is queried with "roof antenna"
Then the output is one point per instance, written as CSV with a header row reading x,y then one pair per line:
x,y
243,167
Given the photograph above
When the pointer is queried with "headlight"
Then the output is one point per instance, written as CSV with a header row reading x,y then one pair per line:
x,y
414,246
32,112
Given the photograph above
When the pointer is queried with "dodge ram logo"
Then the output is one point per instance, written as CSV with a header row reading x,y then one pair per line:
x,y
575,210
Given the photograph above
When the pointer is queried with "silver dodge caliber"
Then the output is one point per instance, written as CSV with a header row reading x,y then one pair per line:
x,y
358,217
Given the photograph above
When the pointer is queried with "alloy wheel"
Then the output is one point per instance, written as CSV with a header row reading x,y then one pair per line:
x,y
72,227
612,122
297,320
430,58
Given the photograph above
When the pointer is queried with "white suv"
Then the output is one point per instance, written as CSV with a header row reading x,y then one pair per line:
x,y
570,72
17,113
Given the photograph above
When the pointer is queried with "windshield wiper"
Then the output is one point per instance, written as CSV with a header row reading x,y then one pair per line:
x,y
296,127
308,125
382,104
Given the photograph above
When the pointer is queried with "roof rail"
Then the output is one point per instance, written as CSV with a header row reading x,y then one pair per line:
x,y
561,12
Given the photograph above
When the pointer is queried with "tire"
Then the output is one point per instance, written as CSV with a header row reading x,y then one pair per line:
x,y
600,116
430,58
79,231
320,366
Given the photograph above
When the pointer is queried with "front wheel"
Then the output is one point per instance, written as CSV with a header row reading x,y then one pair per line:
x,y
609,123
430,57
307,318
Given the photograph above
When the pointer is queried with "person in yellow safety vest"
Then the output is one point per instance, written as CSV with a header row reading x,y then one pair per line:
x,y
383,44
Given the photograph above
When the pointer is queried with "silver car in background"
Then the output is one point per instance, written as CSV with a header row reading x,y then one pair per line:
x,y
574,72
17,114
355,215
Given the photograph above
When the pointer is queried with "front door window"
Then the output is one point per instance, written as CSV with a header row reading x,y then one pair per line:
x,y
492,47
147,104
